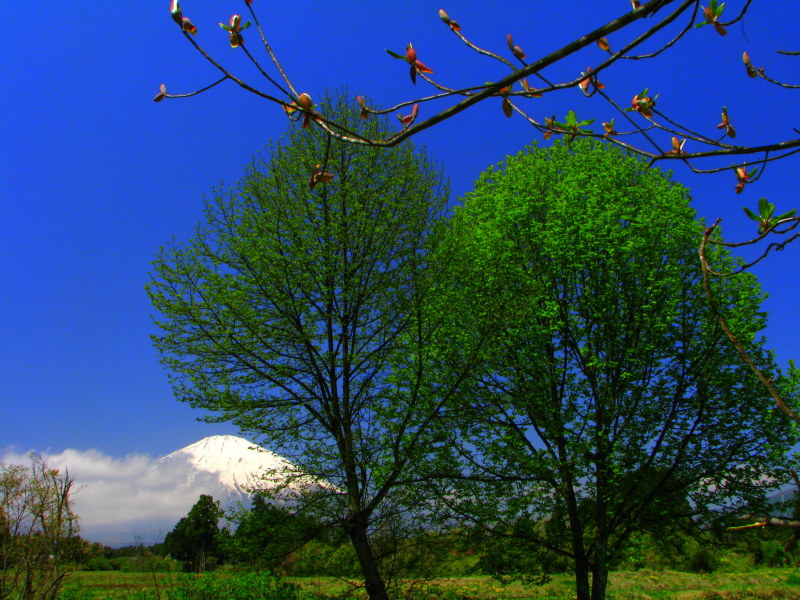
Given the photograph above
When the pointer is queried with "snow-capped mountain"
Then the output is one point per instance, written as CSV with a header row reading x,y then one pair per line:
x,y
122,501
236,467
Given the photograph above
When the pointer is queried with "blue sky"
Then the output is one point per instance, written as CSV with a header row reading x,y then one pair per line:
x,y
96,176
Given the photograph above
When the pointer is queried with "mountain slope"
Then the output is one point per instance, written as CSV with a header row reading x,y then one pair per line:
x,y
237,465
139,498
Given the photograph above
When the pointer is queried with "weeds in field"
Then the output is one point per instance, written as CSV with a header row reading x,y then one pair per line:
x,y
242,586
750,594
645,584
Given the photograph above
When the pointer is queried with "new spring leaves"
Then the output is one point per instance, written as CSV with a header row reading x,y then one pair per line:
x,y
765,219
411,58
234,29
712,13
184,22
683,142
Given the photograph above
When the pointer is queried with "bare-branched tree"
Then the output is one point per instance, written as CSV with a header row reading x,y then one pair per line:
x,y
36,527
642,128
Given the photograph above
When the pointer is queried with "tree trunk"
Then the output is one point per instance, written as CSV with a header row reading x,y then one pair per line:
x,y
373,582
599,581
600,563
582,589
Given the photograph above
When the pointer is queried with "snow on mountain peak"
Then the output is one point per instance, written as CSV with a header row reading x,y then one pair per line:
x,y
237,463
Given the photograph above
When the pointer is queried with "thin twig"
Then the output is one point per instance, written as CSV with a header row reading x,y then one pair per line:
x,y
765,381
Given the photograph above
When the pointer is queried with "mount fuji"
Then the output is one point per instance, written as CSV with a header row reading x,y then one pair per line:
x,y
228,467
138,499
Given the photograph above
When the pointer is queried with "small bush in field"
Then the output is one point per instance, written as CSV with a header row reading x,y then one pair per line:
x,y
736,562
701,559
793,579
99,563
246,586
215,586
771,554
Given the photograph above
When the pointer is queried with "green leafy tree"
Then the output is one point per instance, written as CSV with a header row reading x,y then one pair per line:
x,y
611,397
306,312
267,533
634,35
195,540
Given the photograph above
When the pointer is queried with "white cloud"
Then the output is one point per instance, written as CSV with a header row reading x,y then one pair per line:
x,y
123,500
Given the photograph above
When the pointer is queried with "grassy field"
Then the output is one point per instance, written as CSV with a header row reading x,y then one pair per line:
x,y
762,584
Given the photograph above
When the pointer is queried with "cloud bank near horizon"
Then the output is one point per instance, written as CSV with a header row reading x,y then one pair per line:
x,y
126,500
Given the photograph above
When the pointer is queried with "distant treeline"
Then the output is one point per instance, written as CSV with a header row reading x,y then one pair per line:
x,y
268,537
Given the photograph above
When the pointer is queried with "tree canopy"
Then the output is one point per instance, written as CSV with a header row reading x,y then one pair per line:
x,y
195,540
610,396
637,34
268,532
301,311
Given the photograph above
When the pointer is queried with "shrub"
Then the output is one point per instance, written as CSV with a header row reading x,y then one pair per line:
x,y
244,586
99,563
702,559
771,554
144,564
733,561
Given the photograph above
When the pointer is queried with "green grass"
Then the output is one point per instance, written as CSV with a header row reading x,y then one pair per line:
x,y
211,586
113,584
638,585
761,584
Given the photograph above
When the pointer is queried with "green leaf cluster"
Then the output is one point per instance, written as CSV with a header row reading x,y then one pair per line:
x,y
314,319
610,400
765,218
546,356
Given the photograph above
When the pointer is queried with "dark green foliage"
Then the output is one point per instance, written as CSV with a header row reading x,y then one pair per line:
x,y
242,586
195,540
701,559
611,401
268,533
206,586
510,557
772,554
148,563
437,554
320,557
99,563
304,316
